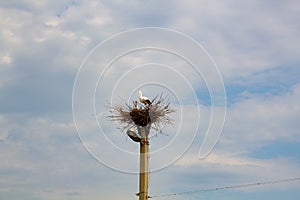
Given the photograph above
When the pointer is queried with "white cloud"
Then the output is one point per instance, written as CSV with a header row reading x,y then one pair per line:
x,y
243,38
6,59
251,124
43,44
258,121
45,158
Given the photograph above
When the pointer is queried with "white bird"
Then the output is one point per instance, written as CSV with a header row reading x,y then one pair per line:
x,y
144,100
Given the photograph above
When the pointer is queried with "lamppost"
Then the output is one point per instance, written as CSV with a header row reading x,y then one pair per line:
x,y
144,147
142,138
143,118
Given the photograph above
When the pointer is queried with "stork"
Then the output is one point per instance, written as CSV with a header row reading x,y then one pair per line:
x,y
144,100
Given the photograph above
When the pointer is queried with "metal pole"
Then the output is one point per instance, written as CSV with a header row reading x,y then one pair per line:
x,y
144,144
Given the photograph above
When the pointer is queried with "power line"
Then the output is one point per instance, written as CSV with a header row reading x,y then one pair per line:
x,y
228,187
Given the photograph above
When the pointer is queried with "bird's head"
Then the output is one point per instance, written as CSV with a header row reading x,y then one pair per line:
x,y
140,93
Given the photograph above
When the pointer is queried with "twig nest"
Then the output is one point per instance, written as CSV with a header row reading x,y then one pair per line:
x,y
141,116
155,116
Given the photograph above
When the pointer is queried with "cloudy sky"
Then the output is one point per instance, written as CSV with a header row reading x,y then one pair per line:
x,y
53,50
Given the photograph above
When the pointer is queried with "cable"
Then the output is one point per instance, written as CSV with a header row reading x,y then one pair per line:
x,y
228,187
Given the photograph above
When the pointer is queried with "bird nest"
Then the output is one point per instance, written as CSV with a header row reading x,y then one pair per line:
x,y
140,117
155,116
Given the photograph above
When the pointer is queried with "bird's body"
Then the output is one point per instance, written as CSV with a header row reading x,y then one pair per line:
x,y
144,100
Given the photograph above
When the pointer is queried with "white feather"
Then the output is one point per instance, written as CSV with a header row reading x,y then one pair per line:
x,y
144,100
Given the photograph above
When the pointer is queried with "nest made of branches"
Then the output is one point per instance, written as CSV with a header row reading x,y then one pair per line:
x,y
156,115
140,116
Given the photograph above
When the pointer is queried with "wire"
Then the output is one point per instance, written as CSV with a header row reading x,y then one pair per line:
x,y
228,187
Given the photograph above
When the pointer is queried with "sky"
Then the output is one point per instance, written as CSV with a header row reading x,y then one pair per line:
x,y
230,70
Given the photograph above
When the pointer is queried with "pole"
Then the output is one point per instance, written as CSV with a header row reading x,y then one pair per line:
x,y
144,145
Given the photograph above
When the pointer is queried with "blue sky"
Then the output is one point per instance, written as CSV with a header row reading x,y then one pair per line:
x,y
255,45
